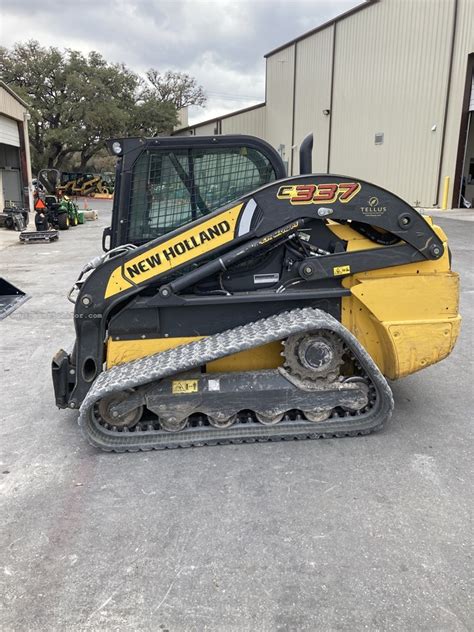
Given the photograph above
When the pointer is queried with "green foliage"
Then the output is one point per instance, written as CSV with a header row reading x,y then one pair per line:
x,y
150,116
177,88
76,102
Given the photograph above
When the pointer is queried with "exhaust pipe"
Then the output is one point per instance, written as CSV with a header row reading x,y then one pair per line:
x,y
306,149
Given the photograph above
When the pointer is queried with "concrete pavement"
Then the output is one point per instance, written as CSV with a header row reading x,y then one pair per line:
x,y
370,533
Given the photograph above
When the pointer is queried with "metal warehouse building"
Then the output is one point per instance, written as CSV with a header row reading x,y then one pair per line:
x,y
15,169
387,90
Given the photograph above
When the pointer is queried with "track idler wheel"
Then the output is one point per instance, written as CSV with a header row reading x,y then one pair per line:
x,y
170,423
317,415
269,419
222,420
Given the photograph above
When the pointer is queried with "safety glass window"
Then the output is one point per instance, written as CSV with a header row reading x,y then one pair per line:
x,y
174,187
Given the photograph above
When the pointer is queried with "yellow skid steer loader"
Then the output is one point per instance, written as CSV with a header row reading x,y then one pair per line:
x,y
236,304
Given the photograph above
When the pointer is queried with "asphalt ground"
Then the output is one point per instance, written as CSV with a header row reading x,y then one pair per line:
x,y
370,533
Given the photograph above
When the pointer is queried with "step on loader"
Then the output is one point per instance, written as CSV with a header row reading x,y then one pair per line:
x,y
235,304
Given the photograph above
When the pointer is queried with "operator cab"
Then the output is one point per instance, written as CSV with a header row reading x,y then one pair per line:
x,y
164,183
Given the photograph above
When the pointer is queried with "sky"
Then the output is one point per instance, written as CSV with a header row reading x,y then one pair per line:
x,y
221,43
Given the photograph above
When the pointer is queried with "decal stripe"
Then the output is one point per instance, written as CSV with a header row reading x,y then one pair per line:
x,y
246,217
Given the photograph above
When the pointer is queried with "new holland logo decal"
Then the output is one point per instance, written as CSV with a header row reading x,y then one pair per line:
x,y
174,251
171,253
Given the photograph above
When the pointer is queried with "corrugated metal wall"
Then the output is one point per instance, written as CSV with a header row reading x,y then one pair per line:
x,y
391,73
208,129
279,99
313,95
251,122
10,106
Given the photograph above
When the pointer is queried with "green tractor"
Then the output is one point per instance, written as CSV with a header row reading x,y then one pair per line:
x,y
57,214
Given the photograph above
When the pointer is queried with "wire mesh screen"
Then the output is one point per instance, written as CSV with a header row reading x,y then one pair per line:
x,y
173,187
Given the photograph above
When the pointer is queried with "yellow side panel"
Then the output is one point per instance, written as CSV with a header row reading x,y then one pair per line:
x,y
265,357
410,297
120,351
368,331
406,323
405,316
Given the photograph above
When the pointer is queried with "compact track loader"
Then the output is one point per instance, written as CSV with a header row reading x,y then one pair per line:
x,y
236,304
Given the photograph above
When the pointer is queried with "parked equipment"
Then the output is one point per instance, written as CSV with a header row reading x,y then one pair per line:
x,y
53,213
36,236
240,305
59,214
14,218
86,184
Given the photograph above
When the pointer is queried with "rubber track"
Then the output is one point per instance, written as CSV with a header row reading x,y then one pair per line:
x,y
195,354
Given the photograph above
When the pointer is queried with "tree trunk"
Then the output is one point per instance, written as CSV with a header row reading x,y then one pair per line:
x,y
83,163
86,155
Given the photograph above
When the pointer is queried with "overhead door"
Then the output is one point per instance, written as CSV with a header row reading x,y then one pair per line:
x,y
9,134
11,184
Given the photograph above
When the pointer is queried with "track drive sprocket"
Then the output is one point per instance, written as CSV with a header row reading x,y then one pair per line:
x,y
314,356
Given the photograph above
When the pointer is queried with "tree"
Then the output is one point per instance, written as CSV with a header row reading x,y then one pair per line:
x,y
177,88
152,117
76,102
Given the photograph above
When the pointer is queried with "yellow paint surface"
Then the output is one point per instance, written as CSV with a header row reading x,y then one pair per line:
x,y
405,316
264,357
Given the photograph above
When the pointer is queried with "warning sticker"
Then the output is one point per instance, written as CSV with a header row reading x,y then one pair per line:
x,y
184,386
338,270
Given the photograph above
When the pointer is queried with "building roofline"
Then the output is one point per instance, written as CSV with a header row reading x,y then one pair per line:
x,y
13,94
219,118
321,27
